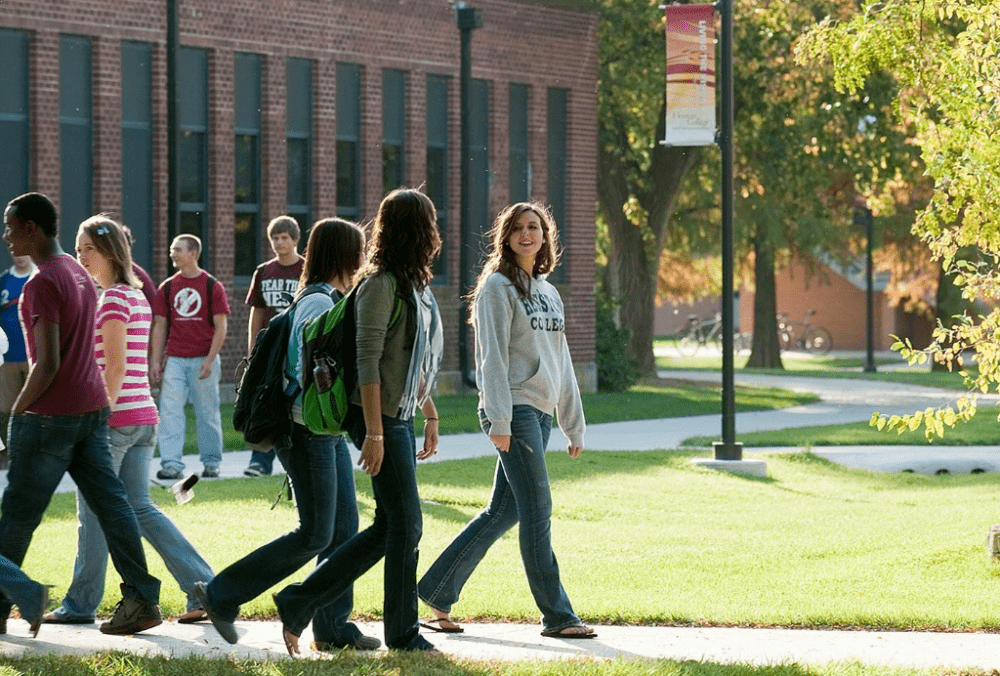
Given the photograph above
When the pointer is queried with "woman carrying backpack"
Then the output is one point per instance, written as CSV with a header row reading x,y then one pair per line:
x,y
397,367
319,468
523,372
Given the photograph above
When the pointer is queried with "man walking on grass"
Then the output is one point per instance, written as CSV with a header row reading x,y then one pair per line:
x,y
190,311
59,421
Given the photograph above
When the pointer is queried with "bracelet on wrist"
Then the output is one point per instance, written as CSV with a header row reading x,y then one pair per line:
x,y
426,420
374,437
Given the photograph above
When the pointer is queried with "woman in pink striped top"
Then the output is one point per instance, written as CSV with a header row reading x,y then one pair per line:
x,y
121,340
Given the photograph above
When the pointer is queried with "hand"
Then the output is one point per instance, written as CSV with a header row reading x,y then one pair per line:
x,y
155,373
501,441
371,456
574,451
430,440
206,368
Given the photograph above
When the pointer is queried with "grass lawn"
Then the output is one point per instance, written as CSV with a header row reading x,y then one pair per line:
x,y
649,538
666,399
982,430
348,664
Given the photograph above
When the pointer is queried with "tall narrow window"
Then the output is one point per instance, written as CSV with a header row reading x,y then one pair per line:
x,y
479,156
194,147
393,128
75,136
137,149
349,140
437,163
557,170
298,138
14,120
519,177
246,126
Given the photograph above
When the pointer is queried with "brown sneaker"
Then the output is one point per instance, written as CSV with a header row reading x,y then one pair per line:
x,y
132,616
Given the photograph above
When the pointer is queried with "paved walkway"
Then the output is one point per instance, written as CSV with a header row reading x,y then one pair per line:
x,y
842,400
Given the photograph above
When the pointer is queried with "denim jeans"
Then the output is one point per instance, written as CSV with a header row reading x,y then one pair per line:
x,y
131,456
520,495
181,384
263,458
394,534
322,478
43,448
20,589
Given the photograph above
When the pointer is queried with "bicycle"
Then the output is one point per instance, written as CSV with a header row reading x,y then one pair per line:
x,y
803,335
700,332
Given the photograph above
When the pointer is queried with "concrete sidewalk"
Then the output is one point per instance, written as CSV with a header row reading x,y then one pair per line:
x,y
517,642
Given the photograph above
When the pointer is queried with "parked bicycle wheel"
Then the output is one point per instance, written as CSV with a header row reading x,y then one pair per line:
x,y
818,340
689,343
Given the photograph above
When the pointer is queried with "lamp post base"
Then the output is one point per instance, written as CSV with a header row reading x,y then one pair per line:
x,y
727,451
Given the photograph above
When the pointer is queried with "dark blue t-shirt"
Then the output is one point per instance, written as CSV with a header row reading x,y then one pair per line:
x,y
10,292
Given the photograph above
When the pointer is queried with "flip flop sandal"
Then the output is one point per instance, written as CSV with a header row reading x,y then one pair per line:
x,y
561,633
435,625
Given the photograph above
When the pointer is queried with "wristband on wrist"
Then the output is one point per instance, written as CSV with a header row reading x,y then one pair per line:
x,y
429,419
374,437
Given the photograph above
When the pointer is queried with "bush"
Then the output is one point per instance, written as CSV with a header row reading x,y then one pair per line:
x,y
617,370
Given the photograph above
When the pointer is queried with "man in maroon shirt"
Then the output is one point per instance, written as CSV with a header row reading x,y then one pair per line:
x,y
273,285
59,422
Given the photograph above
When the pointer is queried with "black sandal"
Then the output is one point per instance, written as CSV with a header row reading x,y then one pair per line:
x,y
560,633
435,625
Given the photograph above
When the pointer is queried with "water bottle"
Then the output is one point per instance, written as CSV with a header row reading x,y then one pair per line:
x,y
322,376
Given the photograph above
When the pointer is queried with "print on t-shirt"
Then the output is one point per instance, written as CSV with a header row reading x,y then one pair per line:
x,y
278,293
187,302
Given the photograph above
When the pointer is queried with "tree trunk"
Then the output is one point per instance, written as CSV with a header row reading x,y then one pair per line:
x,y
766,350
948,302
635,286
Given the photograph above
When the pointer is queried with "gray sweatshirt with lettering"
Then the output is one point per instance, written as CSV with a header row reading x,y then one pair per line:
x,y
522,356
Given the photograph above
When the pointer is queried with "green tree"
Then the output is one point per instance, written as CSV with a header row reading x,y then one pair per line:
x,y
944,54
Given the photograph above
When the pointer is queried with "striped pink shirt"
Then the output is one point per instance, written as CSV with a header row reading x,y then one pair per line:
x,y
135,406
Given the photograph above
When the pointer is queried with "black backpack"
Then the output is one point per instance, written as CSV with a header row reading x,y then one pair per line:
x,y
265,390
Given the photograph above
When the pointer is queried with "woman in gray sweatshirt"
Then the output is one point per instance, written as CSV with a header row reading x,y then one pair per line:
x,y
523,372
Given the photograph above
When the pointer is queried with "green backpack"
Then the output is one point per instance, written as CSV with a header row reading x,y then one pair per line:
x,y
330,369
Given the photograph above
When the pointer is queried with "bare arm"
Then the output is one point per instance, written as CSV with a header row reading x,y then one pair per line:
x,y
254,327
113,339
373,450
46,365
157,345
218,338
430,430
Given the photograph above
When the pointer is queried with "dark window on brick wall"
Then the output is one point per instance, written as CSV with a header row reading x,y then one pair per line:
x,y
137,149
75,137
15,130
349,141
393,129
193,91
479,159
246,118
437,163
520,168
298,137
557,139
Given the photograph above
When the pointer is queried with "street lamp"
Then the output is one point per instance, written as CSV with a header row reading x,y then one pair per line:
x,y
863,217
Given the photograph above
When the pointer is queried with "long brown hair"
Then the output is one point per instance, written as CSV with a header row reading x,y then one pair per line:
x,y
404,240
110,241
333,250
501,257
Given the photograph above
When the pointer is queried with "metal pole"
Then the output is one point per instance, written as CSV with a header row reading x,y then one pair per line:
x,y
173,121
728,448
870,360
468,20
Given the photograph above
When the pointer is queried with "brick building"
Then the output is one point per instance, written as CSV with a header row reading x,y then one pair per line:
x,y
309,107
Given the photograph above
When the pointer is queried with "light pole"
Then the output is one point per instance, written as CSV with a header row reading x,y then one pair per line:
x,y
863,216
468,19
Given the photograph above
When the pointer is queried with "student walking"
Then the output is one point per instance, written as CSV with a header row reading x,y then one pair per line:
x,y
14,370
523,372
271,290
397,368
120,347
318,466
59,422
189,327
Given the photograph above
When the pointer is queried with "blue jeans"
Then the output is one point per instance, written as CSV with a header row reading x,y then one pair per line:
x,y
45,447
263,458
20,589
322,478
180,384
520,495
394,534
131,456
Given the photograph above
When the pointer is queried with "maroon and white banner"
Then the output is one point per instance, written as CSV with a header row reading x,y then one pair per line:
x,y
690,75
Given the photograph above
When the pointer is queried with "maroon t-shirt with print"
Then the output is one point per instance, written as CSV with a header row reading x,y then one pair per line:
x,y
273,286
191,329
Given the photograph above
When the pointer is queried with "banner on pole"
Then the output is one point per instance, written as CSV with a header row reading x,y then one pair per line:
x,y
690,75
